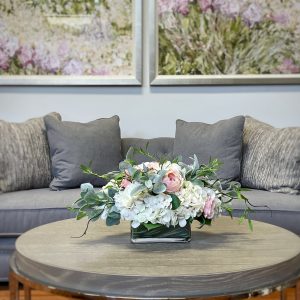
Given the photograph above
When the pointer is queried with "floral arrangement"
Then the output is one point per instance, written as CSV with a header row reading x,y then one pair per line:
x,y
159,193
77,38
215,37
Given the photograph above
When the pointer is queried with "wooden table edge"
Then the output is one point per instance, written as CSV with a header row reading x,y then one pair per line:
x,y
16,278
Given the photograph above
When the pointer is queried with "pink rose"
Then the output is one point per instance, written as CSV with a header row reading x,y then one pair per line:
x,y
173,181
125,183
209,208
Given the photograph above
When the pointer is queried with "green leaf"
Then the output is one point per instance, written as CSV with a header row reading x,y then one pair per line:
x,y
150,226
159,188
112,192
196,163
149,184
113,218
124,165
138,189
80,215
130,153
175,201
250,224
198,182
241,219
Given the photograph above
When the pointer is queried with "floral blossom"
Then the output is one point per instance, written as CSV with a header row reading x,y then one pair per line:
x,y
158,193
51,64
288,67
25,56
4,60
231,8
125,183
73,67
11,46
173,181
281,18
252,15
206,4
209,208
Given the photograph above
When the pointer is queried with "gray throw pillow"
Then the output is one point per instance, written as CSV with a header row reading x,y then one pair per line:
x,y
24,155
72,144
271,157
222,140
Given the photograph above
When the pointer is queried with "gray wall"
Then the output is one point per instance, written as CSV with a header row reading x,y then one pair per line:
x,y
150,112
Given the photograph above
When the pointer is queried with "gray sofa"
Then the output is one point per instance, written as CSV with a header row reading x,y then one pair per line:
x,y
23,210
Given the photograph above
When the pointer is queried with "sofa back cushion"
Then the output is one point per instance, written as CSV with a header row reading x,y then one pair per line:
x,y
24,155
222,140
162,146
73,143
271,157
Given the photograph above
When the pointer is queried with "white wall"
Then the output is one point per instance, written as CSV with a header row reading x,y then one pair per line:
x,y
151,112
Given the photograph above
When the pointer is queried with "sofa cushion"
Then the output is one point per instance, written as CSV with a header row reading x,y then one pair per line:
x,y
222,140
23,210
73,144
24,155
284,208
271,157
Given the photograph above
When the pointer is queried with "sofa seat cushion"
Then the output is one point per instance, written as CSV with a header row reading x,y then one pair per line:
x,y
23,210
284,208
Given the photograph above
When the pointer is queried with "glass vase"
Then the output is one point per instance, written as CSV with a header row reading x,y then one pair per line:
x,y
161,234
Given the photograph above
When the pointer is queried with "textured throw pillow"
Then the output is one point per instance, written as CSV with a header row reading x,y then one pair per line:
x,y
72,144
271,157
24,155
222,140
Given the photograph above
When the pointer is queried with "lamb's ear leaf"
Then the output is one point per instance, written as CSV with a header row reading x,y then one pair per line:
x,y
130,153
159,188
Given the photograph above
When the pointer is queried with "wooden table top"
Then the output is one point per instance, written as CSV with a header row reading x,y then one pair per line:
x,y
224,259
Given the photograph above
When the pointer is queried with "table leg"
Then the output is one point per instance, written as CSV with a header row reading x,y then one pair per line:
x,y
27,293
298,290
13,287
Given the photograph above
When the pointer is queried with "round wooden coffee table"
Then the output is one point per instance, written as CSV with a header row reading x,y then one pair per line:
x,y
224,260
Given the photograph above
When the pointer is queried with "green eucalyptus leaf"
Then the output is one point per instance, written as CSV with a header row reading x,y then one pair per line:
x,y
112,192
113,218
123,165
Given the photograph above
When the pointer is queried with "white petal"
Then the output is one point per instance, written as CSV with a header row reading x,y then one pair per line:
x,y
135,224
182,222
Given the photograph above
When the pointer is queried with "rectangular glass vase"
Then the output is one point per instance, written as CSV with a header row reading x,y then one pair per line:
x,y
161,234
